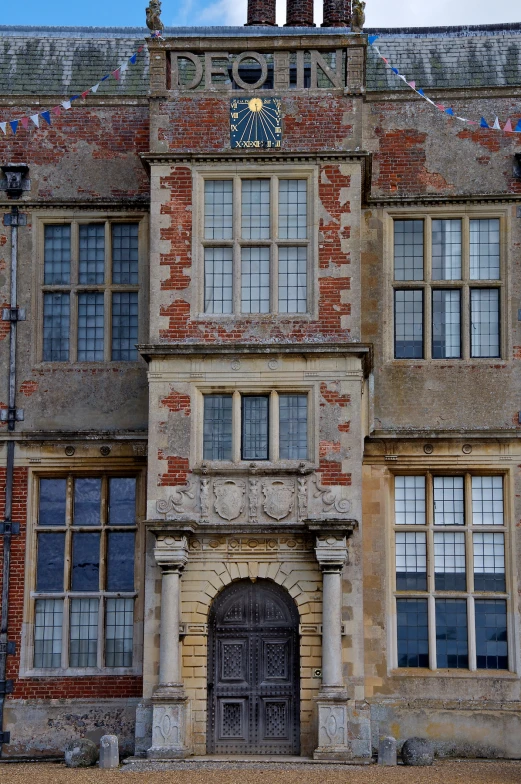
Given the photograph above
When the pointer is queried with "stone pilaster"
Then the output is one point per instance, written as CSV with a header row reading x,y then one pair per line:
x,y
170,708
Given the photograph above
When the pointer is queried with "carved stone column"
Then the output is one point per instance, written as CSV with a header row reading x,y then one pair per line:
x,y
170,720
331,552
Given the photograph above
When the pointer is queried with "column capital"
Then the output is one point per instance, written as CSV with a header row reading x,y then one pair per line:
x,y
171,552
331,552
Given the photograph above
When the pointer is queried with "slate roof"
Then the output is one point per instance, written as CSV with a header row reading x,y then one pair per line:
x,y
64,61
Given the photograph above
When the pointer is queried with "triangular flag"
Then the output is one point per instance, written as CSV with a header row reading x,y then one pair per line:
x,y
66,104
507,127
116,74
47,117
518,127
472,122
57,110
36,119
412,84
74,97
123,67
496,126
395,70
386,61
140,49
463,119
25,121
14,125
371,39
95,88
420,92
84,95
450,111
3,126
403,78
105,78
484,123
133,59
440,106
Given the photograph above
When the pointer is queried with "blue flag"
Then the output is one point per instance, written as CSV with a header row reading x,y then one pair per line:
x,y
47,117
371,39
105,77
518,127
420,92
133,59
484,123
395,70
450,111
14,125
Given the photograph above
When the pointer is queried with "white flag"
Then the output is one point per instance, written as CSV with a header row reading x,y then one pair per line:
x,y
95,88
36,119
66,104
3,126
496,125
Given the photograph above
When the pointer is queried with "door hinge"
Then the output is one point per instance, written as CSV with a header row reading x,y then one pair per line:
x,y
8,527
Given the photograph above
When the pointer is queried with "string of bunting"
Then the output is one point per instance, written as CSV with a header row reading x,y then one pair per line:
x,y
65,105
449,111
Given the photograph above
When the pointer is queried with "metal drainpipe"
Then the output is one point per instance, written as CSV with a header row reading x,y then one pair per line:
x,y
5,647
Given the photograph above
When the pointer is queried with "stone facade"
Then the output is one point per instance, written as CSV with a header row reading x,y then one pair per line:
x,y
142,151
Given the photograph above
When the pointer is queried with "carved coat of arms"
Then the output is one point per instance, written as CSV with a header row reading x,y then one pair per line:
x,y
229,498
278,499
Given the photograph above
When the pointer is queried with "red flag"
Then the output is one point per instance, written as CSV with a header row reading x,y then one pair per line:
x,y
508,127
84,95
56,110
116,74
25,121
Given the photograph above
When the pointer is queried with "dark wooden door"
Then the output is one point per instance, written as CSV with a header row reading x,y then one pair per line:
x,y
253,671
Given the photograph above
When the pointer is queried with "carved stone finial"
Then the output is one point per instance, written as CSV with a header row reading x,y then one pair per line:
x,y
357,16
153,12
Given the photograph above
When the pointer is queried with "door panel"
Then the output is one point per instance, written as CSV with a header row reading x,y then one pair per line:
x,y
253,666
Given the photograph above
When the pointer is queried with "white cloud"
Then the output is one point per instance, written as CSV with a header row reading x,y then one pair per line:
x,y
223,12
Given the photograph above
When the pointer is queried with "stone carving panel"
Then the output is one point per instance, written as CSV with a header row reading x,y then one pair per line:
x,y
167,730
278,498
332,721
229,497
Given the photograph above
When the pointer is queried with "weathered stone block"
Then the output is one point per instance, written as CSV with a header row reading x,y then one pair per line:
x,y
387,752
109,752
418,752
80,753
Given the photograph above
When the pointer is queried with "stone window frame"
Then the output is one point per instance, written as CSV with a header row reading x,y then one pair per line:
x,y
261,170
272,391
27,669
74,287
427,285
431,593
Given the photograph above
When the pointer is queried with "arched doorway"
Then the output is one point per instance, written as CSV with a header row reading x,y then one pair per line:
x,y
253,671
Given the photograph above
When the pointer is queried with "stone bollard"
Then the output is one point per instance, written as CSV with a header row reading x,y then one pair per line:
x,y
109,752
81,753
387,752
418,752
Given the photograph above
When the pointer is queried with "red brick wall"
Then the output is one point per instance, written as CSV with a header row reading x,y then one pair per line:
x,y
44,688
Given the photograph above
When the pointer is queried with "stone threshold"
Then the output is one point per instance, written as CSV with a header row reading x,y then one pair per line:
x,y
141,763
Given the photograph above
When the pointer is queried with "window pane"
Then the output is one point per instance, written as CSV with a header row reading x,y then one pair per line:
x,y
218,280
446,249
48,619
56,314
293,209
292,280
448,500
83,644
293,427
255,428
91,317
51,554
491,634
408,250
57,255
218,212
122,501
487,500
87,501
125,253
120,561
449,562
413,633
92,253
409,500
446,325
85,562
411,561
217,430
255,209
255,280
484,249
484,322
451,634
489,562
124,326
408,324
52,501
119,630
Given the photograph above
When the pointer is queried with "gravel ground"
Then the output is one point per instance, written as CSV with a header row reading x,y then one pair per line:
x,y
443,772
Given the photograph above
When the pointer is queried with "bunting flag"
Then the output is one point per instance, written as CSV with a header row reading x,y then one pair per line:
x,y
449,111
67,104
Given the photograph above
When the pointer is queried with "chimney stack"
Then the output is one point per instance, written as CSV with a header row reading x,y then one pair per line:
x,y
299,13
337,13
261,12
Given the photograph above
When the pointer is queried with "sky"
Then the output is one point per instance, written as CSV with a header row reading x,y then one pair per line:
x,y
130,13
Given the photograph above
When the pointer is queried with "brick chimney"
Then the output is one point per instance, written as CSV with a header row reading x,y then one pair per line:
x,y
261,12
337,13
299,13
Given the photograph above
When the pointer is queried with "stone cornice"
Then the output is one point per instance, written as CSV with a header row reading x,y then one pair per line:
x,y
257,156
442,199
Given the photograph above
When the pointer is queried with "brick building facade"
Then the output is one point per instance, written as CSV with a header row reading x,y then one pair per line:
x,y
287,522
